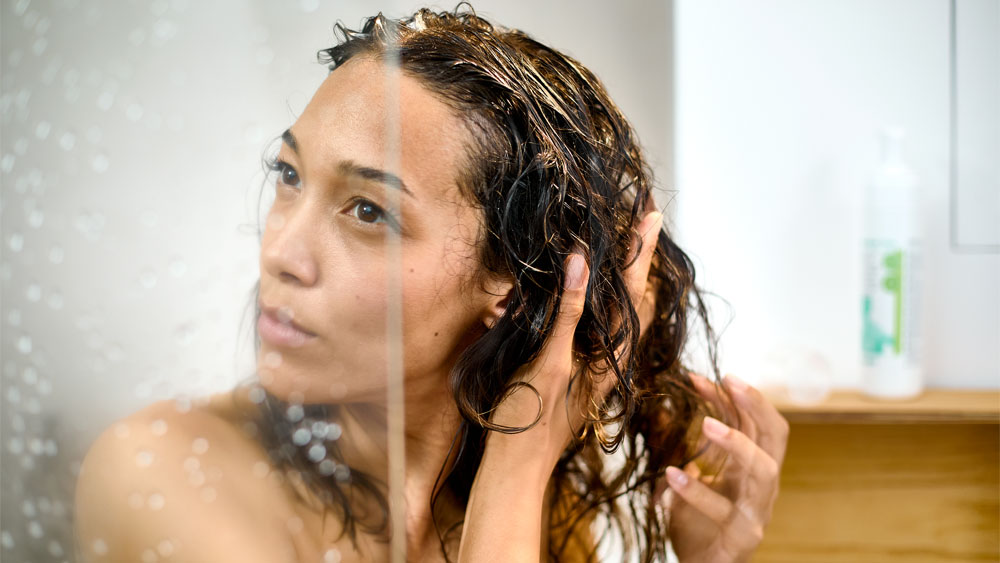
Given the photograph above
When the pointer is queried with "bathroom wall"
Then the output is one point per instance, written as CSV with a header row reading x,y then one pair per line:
x,y
778,107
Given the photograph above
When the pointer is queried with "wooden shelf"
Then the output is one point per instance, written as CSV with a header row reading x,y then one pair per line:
x,y
934,405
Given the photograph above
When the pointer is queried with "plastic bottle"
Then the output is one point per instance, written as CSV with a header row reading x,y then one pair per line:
x,y
892,277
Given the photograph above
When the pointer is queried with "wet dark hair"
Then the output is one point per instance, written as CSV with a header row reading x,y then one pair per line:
x,y
555,168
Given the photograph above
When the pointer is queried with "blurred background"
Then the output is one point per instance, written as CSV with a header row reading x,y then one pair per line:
x,y
130,163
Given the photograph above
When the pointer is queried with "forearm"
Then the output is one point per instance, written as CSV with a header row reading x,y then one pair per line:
x,y
503,519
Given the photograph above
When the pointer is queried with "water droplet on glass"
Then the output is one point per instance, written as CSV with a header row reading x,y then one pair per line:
x,y
317,452
182,404
106,100
326,467
134,112
156,501
261,469
28,509
301,437
51,448
35,529
208,494
309,6
14,317
100,163
13,395
16,242
333,431
144,458
56,255
199,446
196,478
191,464
149,556
164,29
6,540
43,26
39,46
318,429
136,501
177,267
33,293
44,387
272,359
36,218
158,427
147,279
43,129
30,375
21,6
15,446
342,473
294,413
67,141
55,300
256,395
24,344
331,555
7,163
31,405
99,547
21,147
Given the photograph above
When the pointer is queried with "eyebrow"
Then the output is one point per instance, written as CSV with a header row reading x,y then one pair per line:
x,y
352,168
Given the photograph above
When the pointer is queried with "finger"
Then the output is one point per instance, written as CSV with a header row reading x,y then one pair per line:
x,y
755,471
637,274
771,428
716,394
571,304
716,507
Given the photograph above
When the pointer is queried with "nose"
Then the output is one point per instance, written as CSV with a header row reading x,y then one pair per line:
x,y
288,246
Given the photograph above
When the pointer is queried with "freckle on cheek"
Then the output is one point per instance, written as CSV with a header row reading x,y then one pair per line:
x,y
435,334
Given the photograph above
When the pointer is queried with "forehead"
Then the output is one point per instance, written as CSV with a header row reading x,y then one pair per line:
x,y
367,113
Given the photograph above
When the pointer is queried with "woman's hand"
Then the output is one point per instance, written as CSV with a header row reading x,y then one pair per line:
x,y
503,518
722,518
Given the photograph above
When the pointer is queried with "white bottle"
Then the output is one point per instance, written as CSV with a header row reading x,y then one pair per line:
x,y
892,277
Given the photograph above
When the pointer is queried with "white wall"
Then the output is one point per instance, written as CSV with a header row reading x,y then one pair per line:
x,y
778,106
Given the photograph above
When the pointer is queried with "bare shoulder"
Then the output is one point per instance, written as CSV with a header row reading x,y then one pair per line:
x,y
165,482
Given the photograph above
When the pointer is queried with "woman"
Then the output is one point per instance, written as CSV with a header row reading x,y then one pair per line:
x,y
480,224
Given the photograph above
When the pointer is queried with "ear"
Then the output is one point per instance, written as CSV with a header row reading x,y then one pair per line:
x,y
497,296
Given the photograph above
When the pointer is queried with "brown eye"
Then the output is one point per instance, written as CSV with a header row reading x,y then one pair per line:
x,y
286,174
368,212
289,176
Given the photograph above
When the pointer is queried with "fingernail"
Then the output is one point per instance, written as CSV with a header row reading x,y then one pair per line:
x,y
677,478
736,382
574,278
714,428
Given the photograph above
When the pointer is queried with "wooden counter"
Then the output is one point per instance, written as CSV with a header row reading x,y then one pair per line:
x,y
871,481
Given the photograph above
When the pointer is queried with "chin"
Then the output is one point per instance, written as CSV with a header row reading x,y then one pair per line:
x,y
327,389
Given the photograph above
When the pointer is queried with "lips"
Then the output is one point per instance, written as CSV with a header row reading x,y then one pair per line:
x,y
276,327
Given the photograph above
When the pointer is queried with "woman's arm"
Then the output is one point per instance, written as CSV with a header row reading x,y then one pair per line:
x,y
503,519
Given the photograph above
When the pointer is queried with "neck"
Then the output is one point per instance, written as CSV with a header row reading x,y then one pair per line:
x,y
428,436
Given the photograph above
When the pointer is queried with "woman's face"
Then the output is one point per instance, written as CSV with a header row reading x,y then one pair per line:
x,y
367,192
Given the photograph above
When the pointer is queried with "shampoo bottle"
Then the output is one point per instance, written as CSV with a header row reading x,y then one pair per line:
x,y
892,277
